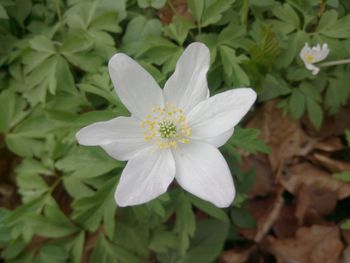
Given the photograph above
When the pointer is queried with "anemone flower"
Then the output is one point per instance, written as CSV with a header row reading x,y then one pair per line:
x,y
311,55
172,132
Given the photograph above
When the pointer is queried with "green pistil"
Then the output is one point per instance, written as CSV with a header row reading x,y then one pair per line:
x,y
167,129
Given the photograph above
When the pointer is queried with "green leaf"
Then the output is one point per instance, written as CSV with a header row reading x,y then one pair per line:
x,y
314,112
209,208
242,218
178,29
3,14
207,242
328,19
287,14
90,210
248,139
108,252
185,222
5,231
136,32
334,29
53,224
196,8
346,224
42,44
20,10
310,91
30,183
343,176
231,64
297,104
7,102
347,137
214,10
337,94
89,162
51,253
151,3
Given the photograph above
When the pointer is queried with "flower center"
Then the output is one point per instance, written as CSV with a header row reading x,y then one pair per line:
x,y
166,127
309,58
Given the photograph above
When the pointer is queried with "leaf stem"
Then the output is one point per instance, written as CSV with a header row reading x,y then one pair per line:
x,y
59,14
335,62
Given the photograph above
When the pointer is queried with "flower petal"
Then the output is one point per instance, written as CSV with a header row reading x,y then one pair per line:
x,y
220,113
220,139
135,87
121,129
124,151
203,171
188,85
145,177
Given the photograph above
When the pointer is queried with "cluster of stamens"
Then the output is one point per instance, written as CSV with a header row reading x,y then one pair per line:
x,y
309,58
166,127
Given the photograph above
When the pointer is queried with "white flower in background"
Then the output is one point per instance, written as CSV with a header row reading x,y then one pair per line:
x,y
312,55
172,133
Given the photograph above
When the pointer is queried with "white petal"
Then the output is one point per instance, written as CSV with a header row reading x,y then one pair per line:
x,y
145,177
312,68
124,151
203,171
220,113
220,139
121,129
188,85
135,87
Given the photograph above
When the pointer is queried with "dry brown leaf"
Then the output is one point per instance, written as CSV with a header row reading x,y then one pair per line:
x,y
281,133
286,224
174,7
314,202
265,211
263,184
316,244
305,174
237,255
330,144
345,258
332,165
346,236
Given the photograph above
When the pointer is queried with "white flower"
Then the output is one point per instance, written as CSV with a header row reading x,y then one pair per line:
x,y
313,55
172,133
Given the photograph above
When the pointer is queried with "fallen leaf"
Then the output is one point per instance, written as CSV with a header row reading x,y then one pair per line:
x,y
313,202
286,224
345,258
330,144
172,8
237,255
265,211
316,244
263,184
332,164
281,133
305,174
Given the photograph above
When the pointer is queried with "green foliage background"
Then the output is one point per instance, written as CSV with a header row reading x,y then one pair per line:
x,y
54,80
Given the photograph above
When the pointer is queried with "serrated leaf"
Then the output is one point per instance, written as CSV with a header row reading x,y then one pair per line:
x,y
314,112
207,242
87,162
248,139
297,104
90,210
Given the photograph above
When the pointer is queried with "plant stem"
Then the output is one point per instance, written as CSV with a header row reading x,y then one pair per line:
x,y
59,14
333,63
